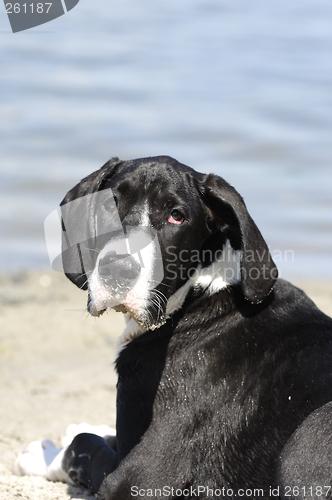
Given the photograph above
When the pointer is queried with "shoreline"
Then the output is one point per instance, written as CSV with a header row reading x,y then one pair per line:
x,y
56,369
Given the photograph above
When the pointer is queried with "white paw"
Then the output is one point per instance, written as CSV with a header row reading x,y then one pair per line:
x,y
41,458
73,430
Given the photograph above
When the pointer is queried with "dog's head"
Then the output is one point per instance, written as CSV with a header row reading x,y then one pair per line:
x,y
140,234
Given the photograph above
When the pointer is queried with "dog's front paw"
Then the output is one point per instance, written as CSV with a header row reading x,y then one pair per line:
x,y
41,458
88,460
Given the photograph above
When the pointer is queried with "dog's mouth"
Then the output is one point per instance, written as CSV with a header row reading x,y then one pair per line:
x,y
145,321
120,308
95,312
141,305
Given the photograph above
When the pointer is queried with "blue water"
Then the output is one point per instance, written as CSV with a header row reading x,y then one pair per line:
x,y
242,89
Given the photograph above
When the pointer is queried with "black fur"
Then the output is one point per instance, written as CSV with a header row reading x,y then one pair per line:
x,y
212,397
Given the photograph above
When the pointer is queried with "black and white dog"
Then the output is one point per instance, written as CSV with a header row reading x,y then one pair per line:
x,y
224,371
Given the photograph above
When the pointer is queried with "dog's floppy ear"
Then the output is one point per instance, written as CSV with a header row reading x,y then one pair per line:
x,y
77,210
228,212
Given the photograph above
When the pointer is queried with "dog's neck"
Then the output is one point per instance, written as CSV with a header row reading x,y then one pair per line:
x,y
220,276
220,304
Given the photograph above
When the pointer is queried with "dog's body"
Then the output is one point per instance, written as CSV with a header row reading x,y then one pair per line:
x,y
217,369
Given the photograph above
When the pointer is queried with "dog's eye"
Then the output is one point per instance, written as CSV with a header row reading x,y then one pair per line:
x,y
175,217
111,205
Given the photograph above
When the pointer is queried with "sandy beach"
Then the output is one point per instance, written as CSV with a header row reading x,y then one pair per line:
x,y
56,369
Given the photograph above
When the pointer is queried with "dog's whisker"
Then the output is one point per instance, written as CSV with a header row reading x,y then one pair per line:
x,y
97,250
160,296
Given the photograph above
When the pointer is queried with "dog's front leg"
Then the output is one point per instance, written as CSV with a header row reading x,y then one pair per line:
x,y
146,471
88,460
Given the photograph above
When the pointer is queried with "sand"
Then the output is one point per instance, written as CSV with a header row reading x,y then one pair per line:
x,y
56,369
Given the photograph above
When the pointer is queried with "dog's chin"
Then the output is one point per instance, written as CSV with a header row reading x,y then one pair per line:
x,y
149,324
145,321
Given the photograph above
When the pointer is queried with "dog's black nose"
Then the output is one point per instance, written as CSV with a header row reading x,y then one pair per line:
x,y
116,266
